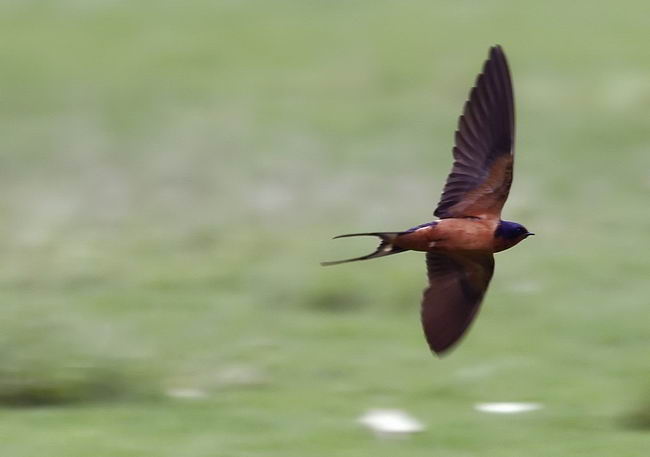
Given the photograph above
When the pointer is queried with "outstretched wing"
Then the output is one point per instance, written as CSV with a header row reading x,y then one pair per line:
x,y
480,178
457,284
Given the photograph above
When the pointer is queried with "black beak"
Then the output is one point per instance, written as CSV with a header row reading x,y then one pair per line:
x,y
529,233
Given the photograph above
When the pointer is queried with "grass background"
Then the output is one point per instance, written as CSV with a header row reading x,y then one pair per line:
x,y
172,172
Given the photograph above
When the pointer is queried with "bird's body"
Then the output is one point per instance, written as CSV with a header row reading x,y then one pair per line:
x,y
450,235
458,235
460,245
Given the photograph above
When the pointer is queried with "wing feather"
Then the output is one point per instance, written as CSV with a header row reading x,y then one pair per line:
x,y
457,284
480,178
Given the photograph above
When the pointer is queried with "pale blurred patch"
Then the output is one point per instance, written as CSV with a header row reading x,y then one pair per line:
x,y
507,407
387,423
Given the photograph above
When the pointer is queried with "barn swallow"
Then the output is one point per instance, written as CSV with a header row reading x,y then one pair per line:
x,y
460,244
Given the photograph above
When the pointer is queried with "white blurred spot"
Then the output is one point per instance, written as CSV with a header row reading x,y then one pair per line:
x,y
507,407
390,422
190,394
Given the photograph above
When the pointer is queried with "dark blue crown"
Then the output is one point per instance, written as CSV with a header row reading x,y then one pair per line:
x,y
510,230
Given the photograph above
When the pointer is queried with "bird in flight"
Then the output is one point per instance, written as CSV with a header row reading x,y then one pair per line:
x,y
460,245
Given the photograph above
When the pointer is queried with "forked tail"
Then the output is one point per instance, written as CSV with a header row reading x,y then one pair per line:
x,y
385,248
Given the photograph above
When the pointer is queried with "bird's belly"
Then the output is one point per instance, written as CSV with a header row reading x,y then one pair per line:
x,y
464,242
450,235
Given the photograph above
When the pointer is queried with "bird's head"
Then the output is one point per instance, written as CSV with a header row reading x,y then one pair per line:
x,y
510,233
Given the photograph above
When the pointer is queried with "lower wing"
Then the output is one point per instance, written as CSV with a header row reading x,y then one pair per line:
x,y
457,284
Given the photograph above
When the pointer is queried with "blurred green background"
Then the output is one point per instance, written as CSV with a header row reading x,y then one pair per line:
x,y
172,172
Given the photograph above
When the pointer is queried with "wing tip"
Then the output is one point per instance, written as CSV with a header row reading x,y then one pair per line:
x,y
442,351
497,55
497,52
442,347
496,49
